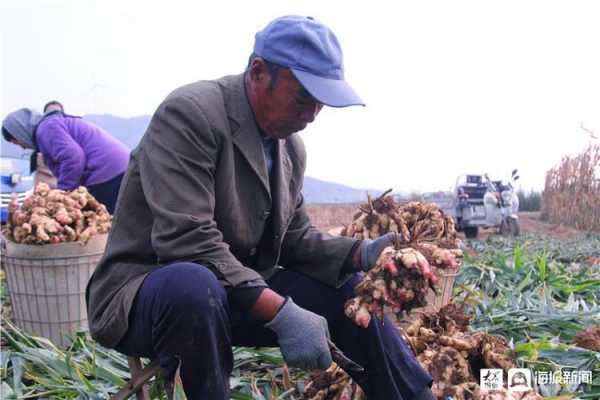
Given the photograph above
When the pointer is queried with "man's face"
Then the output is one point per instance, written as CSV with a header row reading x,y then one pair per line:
x,y
285,108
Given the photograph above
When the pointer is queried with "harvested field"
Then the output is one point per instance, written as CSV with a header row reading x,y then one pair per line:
x,y
331,217
540,291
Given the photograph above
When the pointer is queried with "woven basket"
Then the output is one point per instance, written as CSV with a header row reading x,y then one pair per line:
x,y
445,287
47,285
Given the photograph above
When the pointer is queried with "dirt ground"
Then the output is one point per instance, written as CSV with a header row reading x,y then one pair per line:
x,y
530,222
331,217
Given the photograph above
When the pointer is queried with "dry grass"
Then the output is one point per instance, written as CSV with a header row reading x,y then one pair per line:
x,y
572,192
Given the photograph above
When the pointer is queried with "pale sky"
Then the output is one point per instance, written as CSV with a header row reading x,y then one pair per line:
x,y
450,86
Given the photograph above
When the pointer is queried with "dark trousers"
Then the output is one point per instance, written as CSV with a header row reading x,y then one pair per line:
x,y
107,192
181,312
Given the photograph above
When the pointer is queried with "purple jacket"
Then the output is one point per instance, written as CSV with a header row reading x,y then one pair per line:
x,y
78,152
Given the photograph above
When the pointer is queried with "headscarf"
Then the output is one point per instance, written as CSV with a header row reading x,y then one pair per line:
x,y
21,124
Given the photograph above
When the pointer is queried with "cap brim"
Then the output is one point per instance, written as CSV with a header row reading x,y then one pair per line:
x,y
331,92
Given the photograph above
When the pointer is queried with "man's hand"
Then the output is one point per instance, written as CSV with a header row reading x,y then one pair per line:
x,y
302,337
370,250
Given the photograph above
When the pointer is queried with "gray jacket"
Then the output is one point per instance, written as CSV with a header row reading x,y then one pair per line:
x,y
197,189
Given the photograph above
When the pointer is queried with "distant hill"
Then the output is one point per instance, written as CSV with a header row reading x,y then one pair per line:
x,y
318,191
127,130
130,131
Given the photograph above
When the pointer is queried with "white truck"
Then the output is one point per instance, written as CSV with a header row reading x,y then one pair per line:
x,y
478,202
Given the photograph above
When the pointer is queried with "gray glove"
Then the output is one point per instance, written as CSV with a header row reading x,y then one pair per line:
x,y
302,336
370,250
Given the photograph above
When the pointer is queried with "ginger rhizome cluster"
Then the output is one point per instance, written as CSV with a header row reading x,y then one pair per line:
x,y
427,248
454,355
51,216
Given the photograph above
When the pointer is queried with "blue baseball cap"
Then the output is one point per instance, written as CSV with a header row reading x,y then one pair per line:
x,y
313,54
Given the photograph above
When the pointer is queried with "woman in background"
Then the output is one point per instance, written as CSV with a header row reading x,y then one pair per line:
x,y
77,152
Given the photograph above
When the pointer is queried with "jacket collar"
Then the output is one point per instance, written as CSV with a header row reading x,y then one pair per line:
x,y
247,138
245,134
283,173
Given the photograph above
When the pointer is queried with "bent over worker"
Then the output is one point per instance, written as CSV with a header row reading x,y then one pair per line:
x,y
211,245
76,151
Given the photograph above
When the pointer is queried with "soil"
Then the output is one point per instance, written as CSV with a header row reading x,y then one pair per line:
x,y
531,222
330,218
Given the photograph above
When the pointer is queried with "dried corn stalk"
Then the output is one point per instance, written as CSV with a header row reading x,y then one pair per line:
x,y
571,193
55,216
403,275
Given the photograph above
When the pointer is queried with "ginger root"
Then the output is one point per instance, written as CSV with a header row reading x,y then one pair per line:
x,y
55,216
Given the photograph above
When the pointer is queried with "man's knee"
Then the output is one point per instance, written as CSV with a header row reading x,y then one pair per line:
x,y
186,287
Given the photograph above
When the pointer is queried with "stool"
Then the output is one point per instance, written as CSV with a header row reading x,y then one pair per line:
x,y
138,384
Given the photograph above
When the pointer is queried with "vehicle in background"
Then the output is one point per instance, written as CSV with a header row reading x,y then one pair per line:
x,y
504,207
478,202
17,183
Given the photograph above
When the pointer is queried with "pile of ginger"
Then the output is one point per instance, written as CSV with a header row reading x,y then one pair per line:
x,y
51,216
427,249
